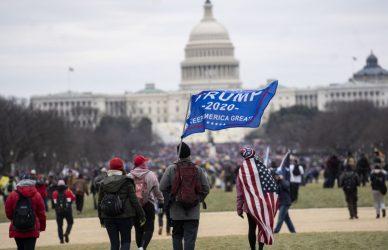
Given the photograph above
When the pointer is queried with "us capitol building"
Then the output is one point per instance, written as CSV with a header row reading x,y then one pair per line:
x,y
209,64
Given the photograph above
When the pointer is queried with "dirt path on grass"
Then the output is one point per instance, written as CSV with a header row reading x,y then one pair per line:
x,y
88,230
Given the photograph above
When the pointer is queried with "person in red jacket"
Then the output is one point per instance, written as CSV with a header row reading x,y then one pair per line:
x,y
26,239
63,198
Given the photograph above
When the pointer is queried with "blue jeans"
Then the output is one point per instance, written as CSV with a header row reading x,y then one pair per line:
x,y
284,217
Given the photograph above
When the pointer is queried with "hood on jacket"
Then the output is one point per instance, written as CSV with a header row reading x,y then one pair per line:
x,y
27,191
26,183
113,183
139,172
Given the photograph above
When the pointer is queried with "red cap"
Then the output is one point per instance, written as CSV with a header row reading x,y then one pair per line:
x,y
116,164
139,160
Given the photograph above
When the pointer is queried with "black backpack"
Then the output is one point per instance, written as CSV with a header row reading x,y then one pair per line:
x,y
112,205
23,216
378,182
296,170
62,205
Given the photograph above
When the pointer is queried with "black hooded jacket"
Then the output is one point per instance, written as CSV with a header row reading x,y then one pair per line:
x,y
125,188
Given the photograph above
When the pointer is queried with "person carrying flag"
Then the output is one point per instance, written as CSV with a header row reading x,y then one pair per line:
x,y
257,197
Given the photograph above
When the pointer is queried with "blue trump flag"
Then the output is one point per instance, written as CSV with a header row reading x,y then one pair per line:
x,y
222,109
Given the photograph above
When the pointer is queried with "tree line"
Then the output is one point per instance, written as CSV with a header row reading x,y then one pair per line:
x,y
43,140
344,126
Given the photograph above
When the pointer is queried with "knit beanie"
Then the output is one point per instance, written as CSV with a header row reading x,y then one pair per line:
x,y
116,164
185,151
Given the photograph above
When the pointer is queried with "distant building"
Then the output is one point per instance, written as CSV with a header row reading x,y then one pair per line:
x,y
209,64
368,84
372,72
209,57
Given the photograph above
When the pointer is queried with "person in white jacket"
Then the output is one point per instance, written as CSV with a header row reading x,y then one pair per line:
x,y
296,179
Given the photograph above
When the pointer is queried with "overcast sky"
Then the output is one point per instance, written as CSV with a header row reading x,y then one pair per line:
x,y
119,45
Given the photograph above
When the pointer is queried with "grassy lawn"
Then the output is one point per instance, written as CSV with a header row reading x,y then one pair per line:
x,y
311,196
359,240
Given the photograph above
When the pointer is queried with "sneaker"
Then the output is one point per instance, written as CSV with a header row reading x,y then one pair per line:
x,y
140,248
383,212
66,238
160,230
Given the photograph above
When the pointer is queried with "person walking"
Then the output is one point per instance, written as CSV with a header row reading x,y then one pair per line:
x,y
26,211
241,206
149,196
63,198
284,203
363,169
166,209
95,186
118,206
331,171
51,187
8,188
188,187
296,178
379,189
80,188
349,181
41,187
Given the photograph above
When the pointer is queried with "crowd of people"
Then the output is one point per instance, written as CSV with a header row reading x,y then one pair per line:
x,y
130,194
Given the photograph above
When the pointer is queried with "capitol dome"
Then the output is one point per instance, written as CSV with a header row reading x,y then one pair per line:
x,y
372,72
209,56
208,28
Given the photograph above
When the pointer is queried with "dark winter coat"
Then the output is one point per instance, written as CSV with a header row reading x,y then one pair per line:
x,y
126,191
284,193
349,176
378,178
363,165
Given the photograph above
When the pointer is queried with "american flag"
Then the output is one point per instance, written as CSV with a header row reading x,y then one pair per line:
x,y
259,189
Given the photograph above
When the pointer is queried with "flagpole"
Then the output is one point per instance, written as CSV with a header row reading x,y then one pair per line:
x,y
184,125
